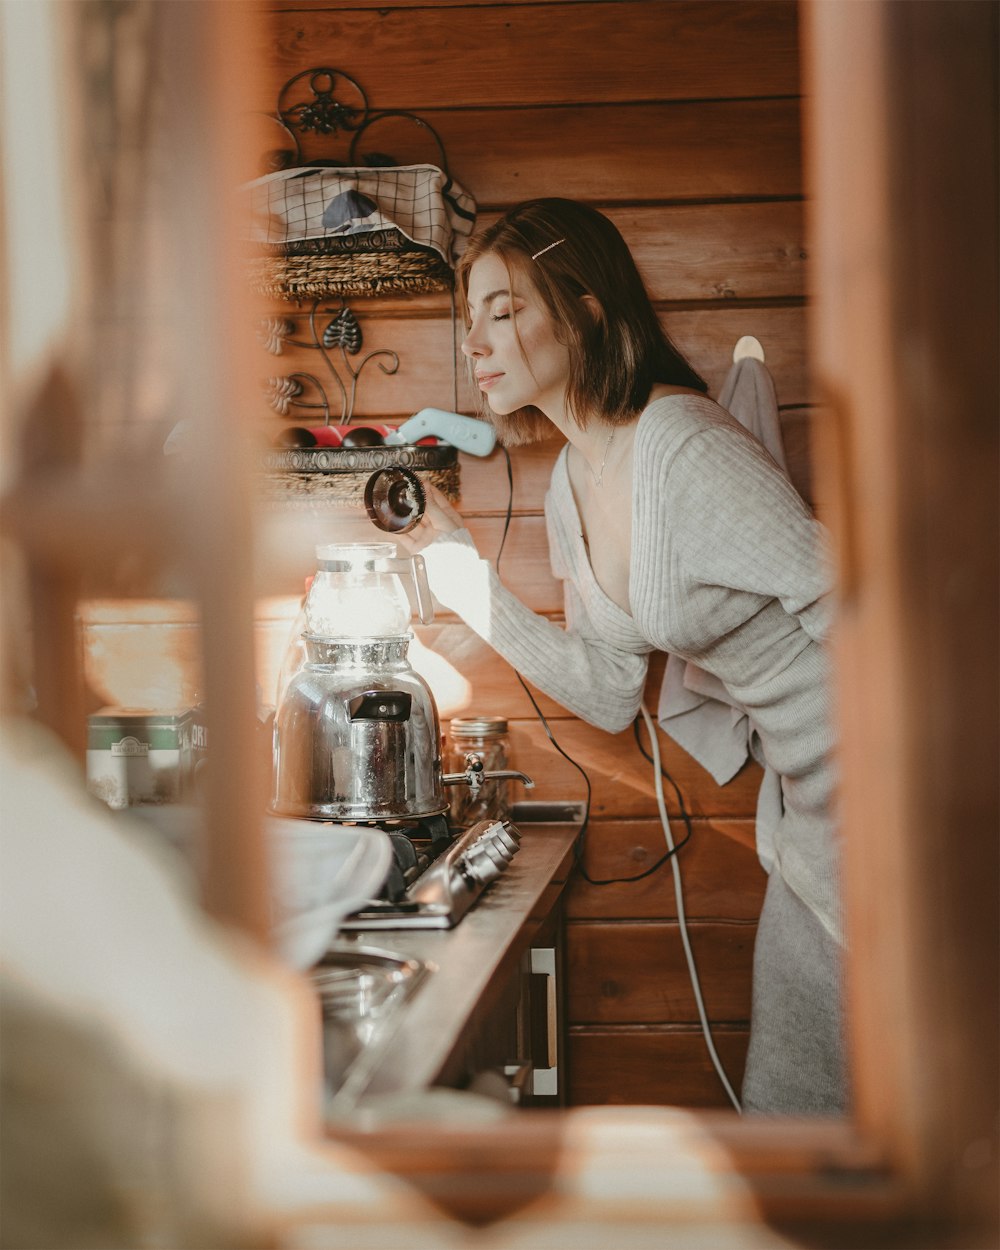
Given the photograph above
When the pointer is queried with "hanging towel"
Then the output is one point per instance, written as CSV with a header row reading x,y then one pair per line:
x,y
748,394
695,709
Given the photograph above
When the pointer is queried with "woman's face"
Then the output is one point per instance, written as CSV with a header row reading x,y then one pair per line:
x,y
513,368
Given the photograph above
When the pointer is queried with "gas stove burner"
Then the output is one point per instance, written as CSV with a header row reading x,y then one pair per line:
x,y
440,880
414,847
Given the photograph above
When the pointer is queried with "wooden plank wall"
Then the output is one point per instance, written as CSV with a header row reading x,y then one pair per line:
x,y
681,121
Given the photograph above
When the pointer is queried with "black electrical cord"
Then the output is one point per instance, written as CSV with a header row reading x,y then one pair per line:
x,y
510,506
578,845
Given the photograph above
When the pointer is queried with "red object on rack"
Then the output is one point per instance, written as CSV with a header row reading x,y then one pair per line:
x,y
343,435
348,436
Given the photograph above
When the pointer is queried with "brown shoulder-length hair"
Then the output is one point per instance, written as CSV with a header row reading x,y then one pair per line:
x,y
617,348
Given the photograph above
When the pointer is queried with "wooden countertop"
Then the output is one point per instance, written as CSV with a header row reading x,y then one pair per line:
x,y
469,965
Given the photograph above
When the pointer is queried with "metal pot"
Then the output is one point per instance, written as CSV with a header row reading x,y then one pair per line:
x,y
357,735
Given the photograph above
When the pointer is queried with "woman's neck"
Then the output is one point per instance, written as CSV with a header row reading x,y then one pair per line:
x,y
592,442
599,444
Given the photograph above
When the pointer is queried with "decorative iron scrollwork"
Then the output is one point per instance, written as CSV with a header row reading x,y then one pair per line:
x,y
320,112
323,114
341,333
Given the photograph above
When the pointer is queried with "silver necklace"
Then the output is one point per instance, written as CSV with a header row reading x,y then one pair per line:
x,y
599,475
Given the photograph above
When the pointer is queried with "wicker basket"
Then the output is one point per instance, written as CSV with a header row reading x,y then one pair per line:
x,y
320,232
295,278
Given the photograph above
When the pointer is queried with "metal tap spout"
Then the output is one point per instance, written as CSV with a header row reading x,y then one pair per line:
x,y
475,775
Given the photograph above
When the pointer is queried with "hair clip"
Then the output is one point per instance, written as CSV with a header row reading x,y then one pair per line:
x,y
547,249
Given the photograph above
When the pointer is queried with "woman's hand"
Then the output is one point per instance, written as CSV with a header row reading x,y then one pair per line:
x,y
440,517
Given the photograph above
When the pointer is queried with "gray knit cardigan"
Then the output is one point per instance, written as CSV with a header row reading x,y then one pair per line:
x,y
727,570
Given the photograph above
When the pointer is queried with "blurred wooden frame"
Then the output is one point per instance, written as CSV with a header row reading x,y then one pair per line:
x,y
901,117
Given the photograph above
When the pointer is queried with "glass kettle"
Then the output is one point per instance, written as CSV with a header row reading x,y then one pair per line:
x,y
359,590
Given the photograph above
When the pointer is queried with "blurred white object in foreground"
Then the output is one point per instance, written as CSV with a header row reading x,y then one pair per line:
x,y
320,874
161,1076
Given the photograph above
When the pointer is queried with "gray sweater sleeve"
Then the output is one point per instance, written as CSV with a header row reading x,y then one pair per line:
x,y
576,666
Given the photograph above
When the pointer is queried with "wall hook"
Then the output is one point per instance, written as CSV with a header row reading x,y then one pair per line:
x,y
748,346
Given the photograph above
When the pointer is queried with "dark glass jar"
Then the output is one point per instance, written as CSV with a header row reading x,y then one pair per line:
x,y
487,737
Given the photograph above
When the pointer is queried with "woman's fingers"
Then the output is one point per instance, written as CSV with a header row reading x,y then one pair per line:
x,y
442,508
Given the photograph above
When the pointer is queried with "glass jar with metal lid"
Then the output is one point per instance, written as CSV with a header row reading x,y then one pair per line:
x,y
485,736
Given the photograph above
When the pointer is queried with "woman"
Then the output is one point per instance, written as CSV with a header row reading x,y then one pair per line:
x,y
672,529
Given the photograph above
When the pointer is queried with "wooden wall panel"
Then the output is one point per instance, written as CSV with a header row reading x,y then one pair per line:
x,y
797,425
708,335
653,1065
722,877
636,972
713,251
653,152
155,645
141,654
621,779
443,58
484,479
